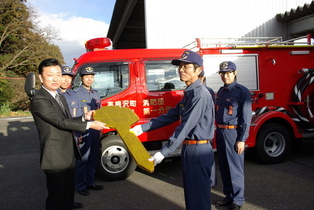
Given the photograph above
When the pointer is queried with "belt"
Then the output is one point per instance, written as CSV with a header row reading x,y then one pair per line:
x,y
189,142
227,126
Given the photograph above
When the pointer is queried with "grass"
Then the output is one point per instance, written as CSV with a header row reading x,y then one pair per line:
x,y
5,111
16,114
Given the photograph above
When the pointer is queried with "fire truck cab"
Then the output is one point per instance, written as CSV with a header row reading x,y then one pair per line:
x,y
143,80
278,74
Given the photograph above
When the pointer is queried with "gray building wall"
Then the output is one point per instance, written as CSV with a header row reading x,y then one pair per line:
x,y
176,23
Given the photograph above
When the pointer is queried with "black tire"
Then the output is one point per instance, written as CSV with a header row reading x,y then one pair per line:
x,y
273,143
115,162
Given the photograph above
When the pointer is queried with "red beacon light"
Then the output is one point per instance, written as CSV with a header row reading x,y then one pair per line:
x,y
98,44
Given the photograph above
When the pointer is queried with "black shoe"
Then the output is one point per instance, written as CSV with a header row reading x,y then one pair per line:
x,y
95,187
83,192
223,202
77,205
234,207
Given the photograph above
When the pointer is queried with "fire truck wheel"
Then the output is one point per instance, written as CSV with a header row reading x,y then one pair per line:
x,y
116,163
273,143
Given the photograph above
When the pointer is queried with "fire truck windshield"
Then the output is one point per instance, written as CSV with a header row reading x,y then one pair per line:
x,y
110,78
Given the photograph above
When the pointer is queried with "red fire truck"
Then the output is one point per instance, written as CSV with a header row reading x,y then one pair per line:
x,y
278,74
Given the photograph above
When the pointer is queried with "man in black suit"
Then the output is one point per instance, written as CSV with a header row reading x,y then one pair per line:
x,y
58,148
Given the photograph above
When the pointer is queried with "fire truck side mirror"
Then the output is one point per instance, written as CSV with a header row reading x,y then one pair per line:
x,y
29,86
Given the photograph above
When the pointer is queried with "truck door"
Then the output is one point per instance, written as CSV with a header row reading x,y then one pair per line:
x,y
162,90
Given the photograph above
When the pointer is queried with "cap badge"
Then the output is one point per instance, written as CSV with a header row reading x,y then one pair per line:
x,y
89,69
224,65
185,55
66,70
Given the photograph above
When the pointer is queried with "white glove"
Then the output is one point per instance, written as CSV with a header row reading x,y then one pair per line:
x,y
157,158
137,130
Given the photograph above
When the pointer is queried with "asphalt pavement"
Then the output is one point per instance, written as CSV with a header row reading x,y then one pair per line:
x,y
288,185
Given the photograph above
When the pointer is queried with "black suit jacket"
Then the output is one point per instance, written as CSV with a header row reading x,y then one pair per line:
x,y
57,144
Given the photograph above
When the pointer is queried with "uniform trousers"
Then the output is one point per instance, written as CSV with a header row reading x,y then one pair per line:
x,y
86,167
213,176
231,165
60,185
197,161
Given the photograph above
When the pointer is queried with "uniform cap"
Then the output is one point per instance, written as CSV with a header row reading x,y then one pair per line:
x,y
87,70
189,57
66,70
227,66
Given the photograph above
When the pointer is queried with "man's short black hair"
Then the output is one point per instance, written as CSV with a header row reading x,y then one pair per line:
x,y
48,62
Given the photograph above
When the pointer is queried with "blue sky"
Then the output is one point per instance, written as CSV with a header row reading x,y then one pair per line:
x,y
76,20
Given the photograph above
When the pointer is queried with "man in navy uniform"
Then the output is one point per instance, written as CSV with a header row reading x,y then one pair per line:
x,y
89,99
233,118
67,76
202,77
196,130
70,95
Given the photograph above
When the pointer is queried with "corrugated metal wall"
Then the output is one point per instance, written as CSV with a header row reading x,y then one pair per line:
x,y
175,23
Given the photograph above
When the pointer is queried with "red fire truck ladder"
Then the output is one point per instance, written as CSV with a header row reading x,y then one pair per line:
x,y
203,43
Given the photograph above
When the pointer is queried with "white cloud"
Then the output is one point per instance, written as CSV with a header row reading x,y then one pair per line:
x,y
74,32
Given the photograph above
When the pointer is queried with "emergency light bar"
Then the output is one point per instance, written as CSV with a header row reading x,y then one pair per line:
x,y
97,44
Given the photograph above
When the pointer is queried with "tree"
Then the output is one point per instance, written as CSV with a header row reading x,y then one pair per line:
x,y
22,44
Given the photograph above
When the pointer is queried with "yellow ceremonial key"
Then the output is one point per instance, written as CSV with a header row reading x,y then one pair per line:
x,y
121,119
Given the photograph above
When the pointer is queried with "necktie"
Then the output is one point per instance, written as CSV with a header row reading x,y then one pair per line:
x,y
57,97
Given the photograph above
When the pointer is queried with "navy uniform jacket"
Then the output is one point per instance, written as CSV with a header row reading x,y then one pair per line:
x,y
89,99
72,101
196,112
234,107
212,93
